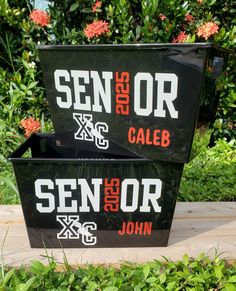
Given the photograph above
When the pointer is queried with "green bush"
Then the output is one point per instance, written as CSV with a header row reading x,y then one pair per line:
x,y
211,176
188,274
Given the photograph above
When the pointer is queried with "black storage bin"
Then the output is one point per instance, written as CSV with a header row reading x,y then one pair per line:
x,y
125,118
72,200
147,98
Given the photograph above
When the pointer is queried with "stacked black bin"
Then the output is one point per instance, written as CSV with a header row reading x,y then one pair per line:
x,y
124,119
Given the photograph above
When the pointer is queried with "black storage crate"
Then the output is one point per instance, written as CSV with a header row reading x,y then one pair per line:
x,y
147,98
72,200
125,118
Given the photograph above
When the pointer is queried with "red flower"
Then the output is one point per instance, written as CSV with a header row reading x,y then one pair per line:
x,y
181,37
208,29
96,6
188,17
96,28
162,16
40,17
30,125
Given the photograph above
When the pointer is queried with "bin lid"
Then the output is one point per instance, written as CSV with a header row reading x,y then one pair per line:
x,y
144,98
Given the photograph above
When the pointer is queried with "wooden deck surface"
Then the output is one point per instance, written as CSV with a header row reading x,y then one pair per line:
x,y
196,228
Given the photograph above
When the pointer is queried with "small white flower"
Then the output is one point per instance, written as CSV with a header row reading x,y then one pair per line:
x,y
32,65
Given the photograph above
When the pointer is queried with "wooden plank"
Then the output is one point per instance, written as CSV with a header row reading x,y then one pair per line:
x,y
197,227
205,209
183,210
10,214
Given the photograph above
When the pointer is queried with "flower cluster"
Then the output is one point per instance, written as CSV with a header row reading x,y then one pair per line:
x,y
188,17
96,6
96,29
30,125
40,17
181,37
208,29
162,16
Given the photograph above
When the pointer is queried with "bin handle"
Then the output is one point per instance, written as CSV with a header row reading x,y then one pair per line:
x,y
23,148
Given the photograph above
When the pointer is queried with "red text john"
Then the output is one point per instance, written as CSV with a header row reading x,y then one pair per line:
x,y
139,228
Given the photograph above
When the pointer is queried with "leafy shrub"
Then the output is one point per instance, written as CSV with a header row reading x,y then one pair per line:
x,y
21,90
8,190
211,176
201,273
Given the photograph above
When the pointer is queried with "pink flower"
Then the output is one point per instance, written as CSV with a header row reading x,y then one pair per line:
x,y
208,29
162,16
188,17
40,17
96,29
96,6
200,1
30,125
181,37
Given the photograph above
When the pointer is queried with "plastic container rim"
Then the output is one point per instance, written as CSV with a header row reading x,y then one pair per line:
x,y
16,156
85,160
127,46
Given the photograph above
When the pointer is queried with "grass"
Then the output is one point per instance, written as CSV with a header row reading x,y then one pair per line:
x,y
190,274
211,176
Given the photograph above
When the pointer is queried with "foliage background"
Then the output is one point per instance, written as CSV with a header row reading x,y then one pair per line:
x,y
189,274
22,93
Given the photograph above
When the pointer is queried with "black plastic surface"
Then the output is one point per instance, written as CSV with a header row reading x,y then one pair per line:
x,y
57,165
168,137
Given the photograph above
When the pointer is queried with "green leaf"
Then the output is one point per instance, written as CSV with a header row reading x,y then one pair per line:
x,y
29,92
36,267
170,286
87,10
74,7
85,279
212,2
138,32
162,278
22,287
111,288
32,85
92,285
30,282
8,276
146,271
186,260
198,279
151,280
232,279
230,287
218,272
10,184
71,278
23,87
